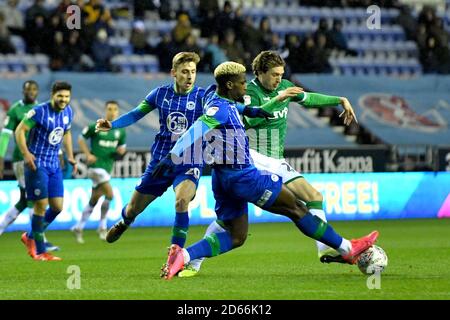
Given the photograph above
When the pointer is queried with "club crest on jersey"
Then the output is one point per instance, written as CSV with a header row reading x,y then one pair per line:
x,y
117,134
56,136
212,111
190,105
66,120
30,114
176,122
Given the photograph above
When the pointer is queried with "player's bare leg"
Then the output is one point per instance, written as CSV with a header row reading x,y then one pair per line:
x,y
138,203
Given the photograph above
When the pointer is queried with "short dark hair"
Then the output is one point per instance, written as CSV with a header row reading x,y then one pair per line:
x,y
267,60
111,102
30,82
60,85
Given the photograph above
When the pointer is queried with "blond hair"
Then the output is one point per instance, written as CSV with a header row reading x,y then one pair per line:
x,y
228,68
183,57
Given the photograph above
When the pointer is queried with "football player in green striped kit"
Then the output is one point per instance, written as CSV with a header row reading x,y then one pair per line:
x,y
267,137
105,148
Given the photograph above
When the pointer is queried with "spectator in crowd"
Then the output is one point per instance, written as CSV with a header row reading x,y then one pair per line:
x,y
251,38
75,48
225,19
58,52
138,38
214,54
102,52
165,10
140,7
5,40
190,45
13,17
165,50
232,48
182,29
266,33
96,17
435,57
40,38
37,9
407,21
208,24
291,53
438,31
337,39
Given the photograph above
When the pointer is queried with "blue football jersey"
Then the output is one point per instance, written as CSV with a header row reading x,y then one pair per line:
x,y
230,135
44,140
177,112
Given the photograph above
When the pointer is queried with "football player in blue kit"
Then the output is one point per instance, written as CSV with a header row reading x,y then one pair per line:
x,y
236,181
49,125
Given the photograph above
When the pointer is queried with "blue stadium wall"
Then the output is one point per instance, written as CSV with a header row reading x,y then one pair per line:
x,y
366,196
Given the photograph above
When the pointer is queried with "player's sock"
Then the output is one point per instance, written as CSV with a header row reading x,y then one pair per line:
x,y
214,227
212,245
8,218
50,215
126,220
37,229
315,228
316,209
180,228
84,217
103,214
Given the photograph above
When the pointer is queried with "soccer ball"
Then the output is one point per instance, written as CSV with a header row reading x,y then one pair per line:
x,y
372,260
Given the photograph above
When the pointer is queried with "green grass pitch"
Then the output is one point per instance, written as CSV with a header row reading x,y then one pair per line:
x,y
276,262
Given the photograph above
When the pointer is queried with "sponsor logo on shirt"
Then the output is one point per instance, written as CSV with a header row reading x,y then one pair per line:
x,y
55,137
264,198
212,111
176,122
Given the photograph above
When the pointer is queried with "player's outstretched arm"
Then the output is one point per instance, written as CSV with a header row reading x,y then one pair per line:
x,y
126,119
21,141
321,100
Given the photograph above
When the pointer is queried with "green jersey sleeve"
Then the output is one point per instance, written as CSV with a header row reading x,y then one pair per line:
x,y
88,131
320,100
11,120
123,137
